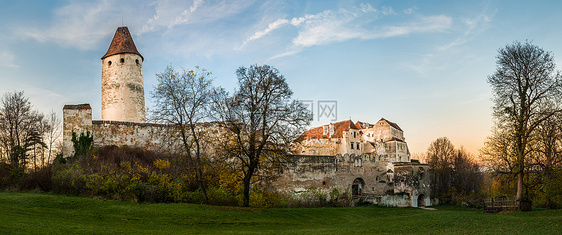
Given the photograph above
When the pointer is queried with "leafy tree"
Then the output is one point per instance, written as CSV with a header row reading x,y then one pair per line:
x,y
262,120
83,144
183,99
526,88
33,141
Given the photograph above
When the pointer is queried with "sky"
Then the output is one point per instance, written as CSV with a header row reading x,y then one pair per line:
x,y
421,64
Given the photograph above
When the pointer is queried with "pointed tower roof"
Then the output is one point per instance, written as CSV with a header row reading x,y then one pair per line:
x,y
122,43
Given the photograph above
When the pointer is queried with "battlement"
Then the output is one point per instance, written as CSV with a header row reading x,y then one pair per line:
x,y
77,106
138,124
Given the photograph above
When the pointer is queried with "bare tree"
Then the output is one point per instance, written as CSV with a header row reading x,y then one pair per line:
x,y
453,171
526,88
183,99
52,133
421,157
547,145
262,120
546,159
19,125
440,155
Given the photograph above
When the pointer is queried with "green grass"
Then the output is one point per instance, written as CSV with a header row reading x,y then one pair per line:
x,y
42,213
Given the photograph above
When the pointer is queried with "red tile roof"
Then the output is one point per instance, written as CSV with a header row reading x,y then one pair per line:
x,y
122,43
363,125
339,128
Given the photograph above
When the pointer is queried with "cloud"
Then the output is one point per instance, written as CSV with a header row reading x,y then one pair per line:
x,y
7,59
171,13
272,26
85,24
471,28
410,10
78,24
330,26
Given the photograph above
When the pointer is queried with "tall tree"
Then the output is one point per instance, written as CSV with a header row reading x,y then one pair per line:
x,y
18,124
440,155
546,161
262,120
453,171
53,133
526,88
183,99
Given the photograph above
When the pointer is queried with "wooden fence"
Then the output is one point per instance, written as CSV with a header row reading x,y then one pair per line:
x,y
499,204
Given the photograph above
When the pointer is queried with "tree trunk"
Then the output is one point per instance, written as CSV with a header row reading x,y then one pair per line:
x,y
246,192
520,171
519,197
202,184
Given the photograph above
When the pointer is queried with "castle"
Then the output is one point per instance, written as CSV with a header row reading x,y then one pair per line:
x,y
372,161
123,108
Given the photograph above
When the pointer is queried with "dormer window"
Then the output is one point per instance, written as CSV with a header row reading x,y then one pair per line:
x,y
325,130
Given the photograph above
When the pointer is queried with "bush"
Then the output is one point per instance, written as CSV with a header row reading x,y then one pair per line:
x,y
38,180
316,197
221,197
264,198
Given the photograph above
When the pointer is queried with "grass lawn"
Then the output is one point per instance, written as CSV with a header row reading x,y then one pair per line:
x,y
42,213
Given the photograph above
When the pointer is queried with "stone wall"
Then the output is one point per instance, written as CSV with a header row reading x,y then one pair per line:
x,y
78,119
143,135
370,177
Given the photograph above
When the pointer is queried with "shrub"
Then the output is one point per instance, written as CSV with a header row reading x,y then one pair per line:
x,y
38,180
264,198
316,197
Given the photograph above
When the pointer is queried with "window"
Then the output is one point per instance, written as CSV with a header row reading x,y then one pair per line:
x,y
354,134
357,162
351,145
122,60
109,63
325,130
137,61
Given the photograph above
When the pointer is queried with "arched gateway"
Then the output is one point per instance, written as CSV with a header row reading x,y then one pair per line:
x,y
357,187
421,200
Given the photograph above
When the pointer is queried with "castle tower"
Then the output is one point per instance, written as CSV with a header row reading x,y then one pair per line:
x,y
122,88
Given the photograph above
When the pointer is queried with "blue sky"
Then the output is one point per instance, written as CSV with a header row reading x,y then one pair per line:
x,y
421,64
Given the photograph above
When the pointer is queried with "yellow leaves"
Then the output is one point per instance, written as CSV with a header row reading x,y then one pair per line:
x,y
162,164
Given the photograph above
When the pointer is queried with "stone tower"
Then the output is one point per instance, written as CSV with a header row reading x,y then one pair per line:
x,y
122,88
